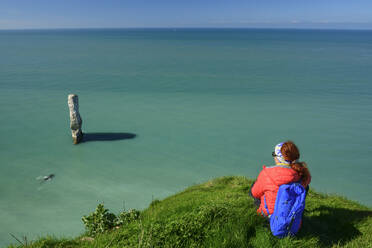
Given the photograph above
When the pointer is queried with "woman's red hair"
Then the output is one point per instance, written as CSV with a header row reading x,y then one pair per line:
x,y
291,153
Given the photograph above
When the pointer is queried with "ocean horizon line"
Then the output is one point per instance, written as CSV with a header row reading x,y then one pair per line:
x,y
187,28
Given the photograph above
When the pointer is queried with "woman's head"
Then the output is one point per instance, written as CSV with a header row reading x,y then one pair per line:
x,y
288,153
278,155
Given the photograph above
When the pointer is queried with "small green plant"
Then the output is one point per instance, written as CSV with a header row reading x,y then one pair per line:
x,y
125,218
99,221
102,220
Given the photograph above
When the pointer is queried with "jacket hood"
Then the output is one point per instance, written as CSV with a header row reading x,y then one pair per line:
x,y
281,174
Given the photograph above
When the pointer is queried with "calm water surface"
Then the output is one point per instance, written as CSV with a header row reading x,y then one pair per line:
x,y
202,103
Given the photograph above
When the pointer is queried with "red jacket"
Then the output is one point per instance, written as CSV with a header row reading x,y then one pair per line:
x,y
268,182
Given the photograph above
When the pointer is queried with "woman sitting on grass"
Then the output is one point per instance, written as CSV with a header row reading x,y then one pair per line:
x,y
286,170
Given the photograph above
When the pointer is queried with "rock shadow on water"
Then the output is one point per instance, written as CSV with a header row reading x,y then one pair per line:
x,y
89,137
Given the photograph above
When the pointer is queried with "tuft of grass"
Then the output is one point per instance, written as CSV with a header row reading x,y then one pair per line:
x,y
219,213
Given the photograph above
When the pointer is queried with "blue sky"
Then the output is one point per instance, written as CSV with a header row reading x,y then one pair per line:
x,y
25,14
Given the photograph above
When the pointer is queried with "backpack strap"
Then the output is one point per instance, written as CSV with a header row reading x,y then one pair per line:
x,y
267,209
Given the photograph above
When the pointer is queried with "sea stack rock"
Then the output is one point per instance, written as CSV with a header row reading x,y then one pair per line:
x,y
75,119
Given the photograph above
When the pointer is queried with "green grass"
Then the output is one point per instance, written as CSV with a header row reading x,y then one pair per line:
x,y
219,213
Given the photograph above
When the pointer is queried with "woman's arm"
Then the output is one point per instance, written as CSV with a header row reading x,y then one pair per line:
x,y
258,187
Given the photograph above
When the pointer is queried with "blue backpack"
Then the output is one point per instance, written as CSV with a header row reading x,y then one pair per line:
x,y
289,207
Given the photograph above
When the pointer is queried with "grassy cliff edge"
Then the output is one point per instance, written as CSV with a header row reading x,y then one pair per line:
x,y
219,213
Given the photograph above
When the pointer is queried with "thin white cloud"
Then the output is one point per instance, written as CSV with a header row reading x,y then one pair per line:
x,y
12,24
10,12
230,22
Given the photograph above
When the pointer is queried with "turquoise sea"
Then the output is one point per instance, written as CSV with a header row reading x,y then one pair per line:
x,y
201,103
